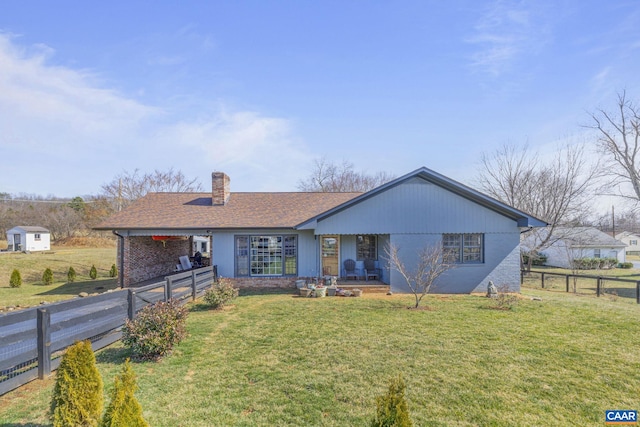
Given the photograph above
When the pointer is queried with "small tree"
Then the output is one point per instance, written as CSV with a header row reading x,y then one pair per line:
x,y
93,273
114,271
124,409
71,275
391,408
77,395
47,277
16,279
432,262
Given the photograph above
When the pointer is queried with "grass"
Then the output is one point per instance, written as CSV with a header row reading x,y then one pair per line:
x,y
59,259
276,359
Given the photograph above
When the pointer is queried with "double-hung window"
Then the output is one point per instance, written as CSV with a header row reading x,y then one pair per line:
x,y
267,255
366,247
463,248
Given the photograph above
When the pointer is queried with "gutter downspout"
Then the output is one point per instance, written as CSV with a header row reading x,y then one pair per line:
x,y
121,260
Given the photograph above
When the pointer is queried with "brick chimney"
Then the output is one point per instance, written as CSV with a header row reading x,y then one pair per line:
x,y
219,188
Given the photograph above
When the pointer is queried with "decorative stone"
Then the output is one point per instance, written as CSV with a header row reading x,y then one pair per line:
x,y
492,291
83,294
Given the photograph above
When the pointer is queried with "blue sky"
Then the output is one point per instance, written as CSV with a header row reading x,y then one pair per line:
x,y
259,89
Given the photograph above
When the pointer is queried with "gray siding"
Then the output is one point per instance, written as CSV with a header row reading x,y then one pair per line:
x,y
501,264
415,206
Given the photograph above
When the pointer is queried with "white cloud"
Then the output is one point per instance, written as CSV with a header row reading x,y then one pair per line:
x,y
503,34
67,134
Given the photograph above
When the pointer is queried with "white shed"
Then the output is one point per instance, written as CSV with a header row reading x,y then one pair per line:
x,y
27,238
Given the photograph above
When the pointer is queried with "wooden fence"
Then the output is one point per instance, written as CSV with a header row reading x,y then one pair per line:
x,y
630,288
33,340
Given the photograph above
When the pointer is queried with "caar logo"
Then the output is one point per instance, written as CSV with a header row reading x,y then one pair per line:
x,y
621,417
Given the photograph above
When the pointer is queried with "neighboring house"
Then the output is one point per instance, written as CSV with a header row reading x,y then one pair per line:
x,y
26,238
569,243
271,239
631,240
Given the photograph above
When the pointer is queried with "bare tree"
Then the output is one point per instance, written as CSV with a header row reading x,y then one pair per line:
x,y
128,187
328,177
619,140
432,263
556,191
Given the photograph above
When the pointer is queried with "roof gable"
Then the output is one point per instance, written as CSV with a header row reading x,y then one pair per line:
x,y
523,219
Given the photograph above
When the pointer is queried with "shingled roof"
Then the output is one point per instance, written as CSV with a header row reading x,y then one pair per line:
x,y
243,210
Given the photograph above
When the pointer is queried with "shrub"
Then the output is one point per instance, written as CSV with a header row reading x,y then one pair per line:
x,y
124,410
71,275
155,330
220,293
16,279
392,408
114,271
77,395
625,265
537,258
93,273
594,263
47,277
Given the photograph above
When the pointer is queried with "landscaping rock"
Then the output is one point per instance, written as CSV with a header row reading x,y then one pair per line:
x,y
83,294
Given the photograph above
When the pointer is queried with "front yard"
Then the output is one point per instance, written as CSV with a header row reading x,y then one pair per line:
x,y
276,359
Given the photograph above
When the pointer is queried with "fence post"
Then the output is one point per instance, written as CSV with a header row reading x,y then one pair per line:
x,y
167,289
131,302
44,343
598,285
542,280
194,288
568,282
521,276
638,292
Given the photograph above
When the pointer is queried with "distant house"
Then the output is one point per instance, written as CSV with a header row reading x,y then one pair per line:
x,y
272,239
631,240
27,238
570,243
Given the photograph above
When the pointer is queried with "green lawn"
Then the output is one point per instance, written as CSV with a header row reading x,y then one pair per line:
x,y
31,266
279,360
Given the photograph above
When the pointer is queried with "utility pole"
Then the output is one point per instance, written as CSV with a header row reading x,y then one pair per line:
x,y
613,220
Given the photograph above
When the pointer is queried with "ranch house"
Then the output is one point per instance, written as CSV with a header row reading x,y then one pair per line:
x,y
273,239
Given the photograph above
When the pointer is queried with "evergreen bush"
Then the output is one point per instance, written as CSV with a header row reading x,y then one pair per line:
x,y
625,265
114,271
77,395
47,277
93,273
124,410
220,293
155,330
16,279
71,275
391,408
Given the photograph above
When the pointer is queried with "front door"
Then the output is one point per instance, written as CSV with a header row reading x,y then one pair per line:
x,y
330,252
17,243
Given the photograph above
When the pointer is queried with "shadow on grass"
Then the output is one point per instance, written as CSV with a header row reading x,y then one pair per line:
x,y
267,291
113,355
98,285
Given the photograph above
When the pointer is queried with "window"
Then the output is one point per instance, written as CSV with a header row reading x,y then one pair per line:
x,y
463,248
633,242
36,236
366,247
266,255
596,253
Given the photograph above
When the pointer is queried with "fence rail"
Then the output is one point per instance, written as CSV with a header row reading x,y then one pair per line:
x,y
34,339
631,290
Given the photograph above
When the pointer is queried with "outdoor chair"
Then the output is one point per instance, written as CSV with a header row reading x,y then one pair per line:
x,y
350,269
370,270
